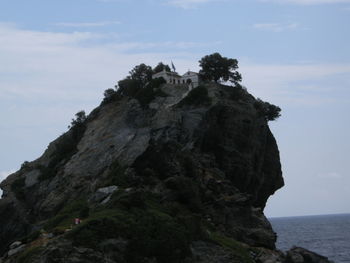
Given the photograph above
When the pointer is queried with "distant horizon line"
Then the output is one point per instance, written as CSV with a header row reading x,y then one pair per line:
x,y
335,214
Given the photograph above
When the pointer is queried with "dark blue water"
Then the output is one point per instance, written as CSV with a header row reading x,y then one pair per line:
x,y
328,235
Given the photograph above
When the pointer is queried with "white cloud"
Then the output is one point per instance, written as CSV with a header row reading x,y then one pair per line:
x,y
88,24
331,175
308,2
181,45
64,67
69,65
189,4
297,84
276,27
46,77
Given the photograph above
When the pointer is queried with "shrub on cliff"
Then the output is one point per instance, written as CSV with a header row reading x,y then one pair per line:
x,y
142,74
66,146
269,111
128,87
150,92
139,76
109,95
143,93
160,67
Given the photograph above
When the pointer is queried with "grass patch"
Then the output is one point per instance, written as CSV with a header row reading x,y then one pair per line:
x,y
240,251
28,254
151,227
64,219
151,233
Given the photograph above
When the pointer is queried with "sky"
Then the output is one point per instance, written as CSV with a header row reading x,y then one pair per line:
x,y
58,56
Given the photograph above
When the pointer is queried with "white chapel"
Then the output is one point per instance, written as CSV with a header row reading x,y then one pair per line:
x,y
190,78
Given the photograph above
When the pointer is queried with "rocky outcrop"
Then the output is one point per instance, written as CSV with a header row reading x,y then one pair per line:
x,y
302,255
184,178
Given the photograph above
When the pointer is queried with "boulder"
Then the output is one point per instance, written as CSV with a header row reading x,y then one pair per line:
x,y
302,255
104,193
15,244
16,250
107,190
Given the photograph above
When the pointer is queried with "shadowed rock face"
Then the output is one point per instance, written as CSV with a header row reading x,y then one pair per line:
x,y
218,160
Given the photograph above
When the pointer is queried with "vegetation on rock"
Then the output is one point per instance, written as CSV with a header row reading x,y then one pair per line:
x,y
150,92
269,111
217,68
142,219
65,217
66,146
241,252
193,171
160,67
109,95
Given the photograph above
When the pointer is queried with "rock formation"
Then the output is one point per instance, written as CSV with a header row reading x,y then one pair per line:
x,y
182,177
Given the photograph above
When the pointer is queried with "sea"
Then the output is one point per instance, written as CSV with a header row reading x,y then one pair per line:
x,y
327,235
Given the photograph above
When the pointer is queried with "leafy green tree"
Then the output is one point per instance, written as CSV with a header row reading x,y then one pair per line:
x,y
142,74
160,67
217,68
109,95
128,87
80,118
269,111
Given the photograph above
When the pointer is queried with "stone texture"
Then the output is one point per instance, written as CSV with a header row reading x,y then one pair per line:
x,y
103,193
15,244
221,159
16,250
302,255
32,178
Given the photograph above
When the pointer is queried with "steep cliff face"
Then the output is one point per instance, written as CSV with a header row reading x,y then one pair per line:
x,y
169,181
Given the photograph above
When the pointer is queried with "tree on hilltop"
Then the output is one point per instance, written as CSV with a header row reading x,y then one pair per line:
x,y
139,76
142,74
160,67
217,68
